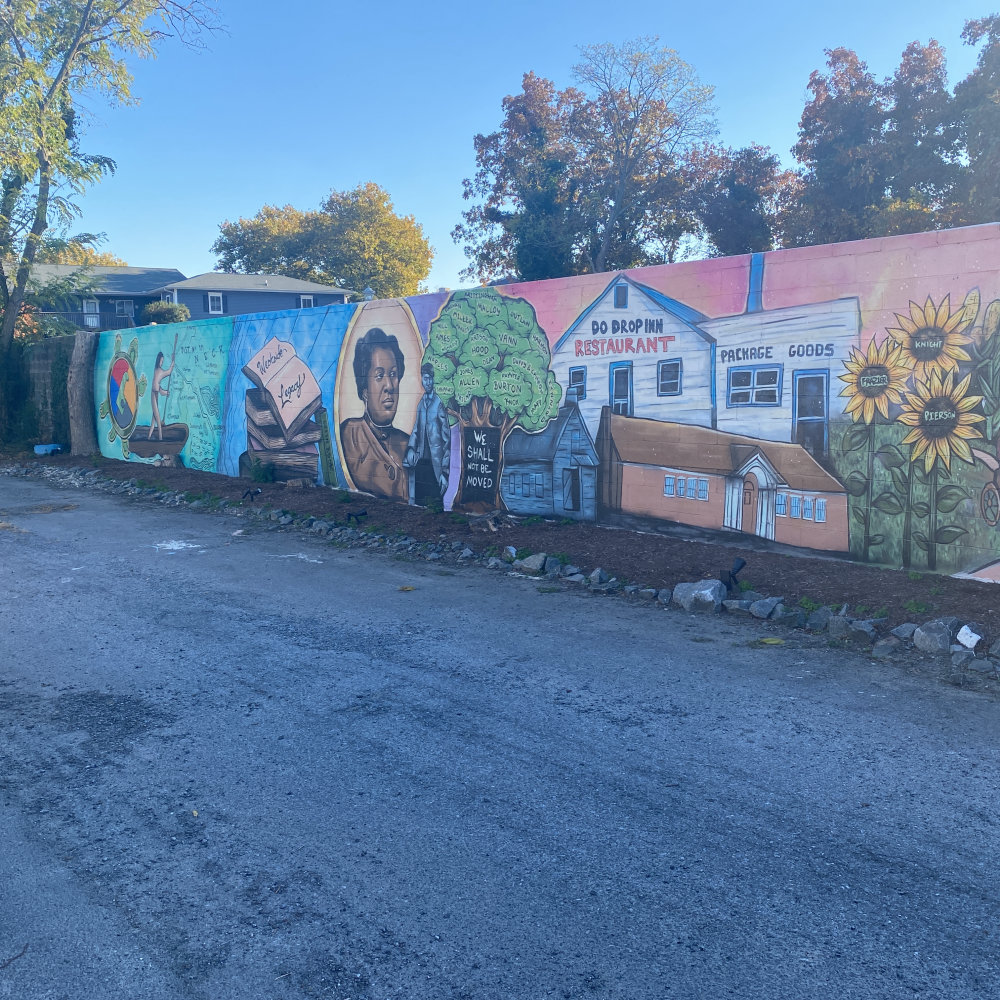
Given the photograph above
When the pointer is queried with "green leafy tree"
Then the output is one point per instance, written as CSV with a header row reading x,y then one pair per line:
x,y
51,52
846,164
80,249
878,158
923,143
978,101
355,240
165,312
491,367
589,178
736,198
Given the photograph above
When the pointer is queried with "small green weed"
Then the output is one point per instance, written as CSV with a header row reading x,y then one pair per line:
x,y
745,585
343,496
809,604
549,590
261,472
915,576
916,607
523,553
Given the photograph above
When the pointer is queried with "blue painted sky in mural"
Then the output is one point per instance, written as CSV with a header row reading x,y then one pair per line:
x,y
303,97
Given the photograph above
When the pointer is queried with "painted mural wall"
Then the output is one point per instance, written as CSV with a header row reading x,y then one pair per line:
x,y
839,398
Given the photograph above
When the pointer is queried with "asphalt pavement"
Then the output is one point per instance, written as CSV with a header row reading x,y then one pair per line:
x,y
238,762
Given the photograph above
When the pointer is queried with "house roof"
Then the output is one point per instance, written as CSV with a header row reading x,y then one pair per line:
x,y
701,449
220,281
687,315
111,280
523,447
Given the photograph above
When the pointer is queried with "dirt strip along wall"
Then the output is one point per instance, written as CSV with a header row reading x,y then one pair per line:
x,y
840,398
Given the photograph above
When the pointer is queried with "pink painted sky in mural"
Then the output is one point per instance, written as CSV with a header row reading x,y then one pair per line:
x,y
296,100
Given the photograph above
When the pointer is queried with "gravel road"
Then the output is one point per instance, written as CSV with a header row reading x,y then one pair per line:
x,y
241,763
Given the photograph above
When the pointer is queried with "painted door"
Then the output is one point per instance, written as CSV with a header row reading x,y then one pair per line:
x,y
621,388
748,523
810,410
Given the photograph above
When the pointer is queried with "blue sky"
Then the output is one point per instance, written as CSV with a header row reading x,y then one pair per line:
x,y
305,96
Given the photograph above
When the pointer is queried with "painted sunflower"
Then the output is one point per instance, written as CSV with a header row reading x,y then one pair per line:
x,y
932,338
874,380
941,416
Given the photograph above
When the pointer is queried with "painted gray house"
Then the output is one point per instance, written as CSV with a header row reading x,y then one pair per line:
x,y
111,298
219,294
552,473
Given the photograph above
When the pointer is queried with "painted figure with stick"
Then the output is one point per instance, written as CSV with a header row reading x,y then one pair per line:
x,y
159,374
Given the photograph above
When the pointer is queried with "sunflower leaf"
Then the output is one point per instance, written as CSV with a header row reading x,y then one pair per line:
x,y
890,456
899,479
888,503
920,540
920,509
950,497
861,515
856,484
918,472
855,437
876,540
947,533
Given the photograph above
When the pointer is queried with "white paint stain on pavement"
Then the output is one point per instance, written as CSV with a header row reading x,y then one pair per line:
x,y
174,546
299,555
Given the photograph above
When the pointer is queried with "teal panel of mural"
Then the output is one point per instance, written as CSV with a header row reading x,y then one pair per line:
x,y
160,391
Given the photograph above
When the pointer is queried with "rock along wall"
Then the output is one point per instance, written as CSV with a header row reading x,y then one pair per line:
x,y
840,398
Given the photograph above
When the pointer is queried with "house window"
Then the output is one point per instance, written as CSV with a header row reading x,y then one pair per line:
x,y
680,485
124,307
305,302
668,486
796,506
539,485
820,511
166,296
578,381
781,504
621,296
215,303
668,378
702,489
754,386
692,488
807,509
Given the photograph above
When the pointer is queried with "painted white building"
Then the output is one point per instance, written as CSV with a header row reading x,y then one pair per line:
x,y
773,370
641,353
765,372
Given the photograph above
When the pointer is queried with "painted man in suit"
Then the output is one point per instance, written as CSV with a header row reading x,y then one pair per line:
x,y
428,453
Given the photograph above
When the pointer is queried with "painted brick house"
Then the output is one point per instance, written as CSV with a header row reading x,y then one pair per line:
x,y
713,479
